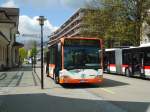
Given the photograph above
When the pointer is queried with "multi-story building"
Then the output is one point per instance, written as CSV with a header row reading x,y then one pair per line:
x,y
72,27
9,20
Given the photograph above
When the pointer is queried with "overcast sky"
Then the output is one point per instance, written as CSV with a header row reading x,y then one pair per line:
x,y
56,12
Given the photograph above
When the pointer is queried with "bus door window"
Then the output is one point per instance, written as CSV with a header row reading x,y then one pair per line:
x,y
106,61
129,57
127,62
137,61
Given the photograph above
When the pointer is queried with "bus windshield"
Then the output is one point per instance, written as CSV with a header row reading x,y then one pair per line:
x,y
81,57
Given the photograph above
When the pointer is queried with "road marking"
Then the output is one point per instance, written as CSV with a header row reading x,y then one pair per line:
x,y
108,90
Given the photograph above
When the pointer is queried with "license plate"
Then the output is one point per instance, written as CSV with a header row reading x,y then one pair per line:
x,y
82,81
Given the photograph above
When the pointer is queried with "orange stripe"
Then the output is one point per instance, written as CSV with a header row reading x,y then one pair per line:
x,y
82,38
75,81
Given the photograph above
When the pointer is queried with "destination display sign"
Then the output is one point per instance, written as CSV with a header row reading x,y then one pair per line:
x,y
84,42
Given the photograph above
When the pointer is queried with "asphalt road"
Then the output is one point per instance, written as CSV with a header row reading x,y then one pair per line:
x,y
115,94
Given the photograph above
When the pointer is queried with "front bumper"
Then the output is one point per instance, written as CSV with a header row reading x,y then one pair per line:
x,y
77,81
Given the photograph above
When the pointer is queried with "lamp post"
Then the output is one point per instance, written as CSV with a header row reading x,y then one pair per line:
x,y
41,20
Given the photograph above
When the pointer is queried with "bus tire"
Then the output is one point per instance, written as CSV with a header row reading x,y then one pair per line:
x,y
56,78
127,72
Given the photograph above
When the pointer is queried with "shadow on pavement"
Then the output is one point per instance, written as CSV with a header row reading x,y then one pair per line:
x,y
18,77
34,73
3,76
112,83
133,106
7,78
105,83
47,103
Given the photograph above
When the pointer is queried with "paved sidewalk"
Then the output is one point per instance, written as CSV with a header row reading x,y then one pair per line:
x,y
21,77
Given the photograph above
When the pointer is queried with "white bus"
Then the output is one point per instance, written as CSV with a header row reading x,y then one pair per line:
x,y
133,61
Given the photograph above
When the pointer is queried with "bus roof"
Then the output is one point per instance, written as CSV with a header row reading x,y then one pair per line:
x,y
52,42
82,38
131,47
112,49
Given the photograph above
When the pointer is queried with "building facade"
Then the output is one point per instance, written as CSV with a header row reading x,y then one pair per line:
x,y
9,20
72,27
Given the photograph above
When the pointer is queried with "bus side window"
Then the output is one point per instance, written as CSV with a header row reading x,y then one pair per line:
x,y
124,59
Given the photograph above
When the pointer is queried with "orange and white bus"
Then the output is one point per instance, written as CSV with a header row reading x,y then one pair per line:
x,y
75,60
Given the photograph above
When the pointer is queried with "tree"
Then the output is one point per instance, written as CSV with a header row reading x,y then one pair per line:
x,y
22,54
109,21
34,53
34,49
116,20
138,11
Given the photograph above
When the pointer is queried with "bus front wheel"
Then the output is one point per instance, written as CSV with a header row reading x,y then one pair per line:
x,y
56,78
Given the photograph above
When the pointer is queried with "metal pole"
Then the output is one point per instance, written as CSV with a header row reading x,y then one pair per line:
x,y
41,20
42,76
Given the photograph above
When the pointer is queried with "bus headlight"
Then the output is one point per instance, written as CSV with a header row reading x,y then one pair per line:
x,y
63,74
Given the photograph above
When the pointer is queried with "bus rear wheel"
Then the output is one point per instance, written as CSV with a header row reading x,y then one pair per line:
x,y
127,73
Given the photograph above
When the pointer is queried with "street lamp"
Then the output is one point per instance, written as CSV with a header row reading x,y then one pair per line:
x,y
41,20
